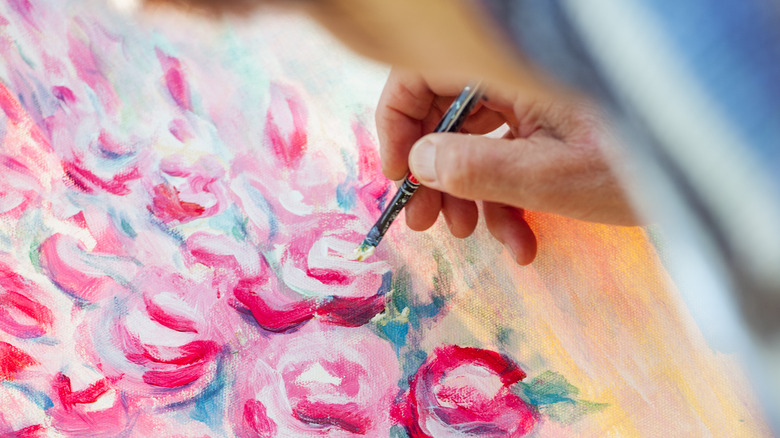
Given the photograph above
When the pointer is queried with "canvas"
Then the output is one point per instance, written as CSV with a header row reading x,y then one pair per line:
x,y
178,201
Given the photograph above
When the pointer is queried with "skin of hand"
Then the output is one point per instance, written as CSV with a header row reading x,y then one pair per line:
x,y
552,159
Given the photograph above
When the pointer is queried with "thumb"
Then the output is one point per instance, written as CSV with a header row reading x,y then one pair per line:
x,y
476,167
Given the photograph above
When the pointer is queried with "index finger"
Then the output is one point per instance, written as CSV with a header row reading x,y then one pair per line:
x,y
405,101
410,106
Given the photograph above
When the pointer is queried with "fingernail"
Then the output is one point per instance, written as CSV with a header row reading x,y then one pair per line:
x,y
422,161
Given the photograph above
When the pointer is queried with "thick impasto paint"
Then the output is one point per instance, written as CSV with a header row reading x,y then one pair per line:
x,y
178,203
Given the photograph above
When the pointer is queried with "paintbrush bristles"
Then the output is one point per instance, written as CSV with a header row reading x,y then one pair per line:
x,y
363,252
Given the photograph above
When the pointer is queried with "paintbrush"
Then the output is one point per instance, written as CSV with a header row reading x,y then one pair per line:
x,y
452,121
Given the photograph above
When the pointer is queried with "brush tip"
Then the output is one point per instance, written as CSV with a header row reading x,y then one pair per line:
x,y
363,252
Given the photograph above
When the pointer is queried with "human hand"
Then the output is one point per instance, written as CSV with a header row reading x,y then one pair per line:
x,y
552,159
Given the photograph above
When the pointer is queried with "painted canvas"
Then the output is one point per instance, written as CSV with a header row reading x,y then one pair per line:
x,y
178,198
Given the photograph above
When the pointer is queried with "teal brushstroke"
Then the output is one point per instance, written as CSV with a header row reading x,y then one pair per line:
x,y
429,310
239,229
556,398
127,228
35,255
230,222
39,398
259,200
398,432
402,296
346,196
549,387
27,60
45,340
396,332
210,404
349,163
411,362
402,283
504,336
442,281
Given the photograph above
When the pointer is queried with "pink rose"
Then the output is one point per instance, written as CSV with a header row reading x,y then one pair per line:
x,y
319,381
228,259
315,263
255,290
463,391
163,341
80,273
83,177
95,168
311,276
96,156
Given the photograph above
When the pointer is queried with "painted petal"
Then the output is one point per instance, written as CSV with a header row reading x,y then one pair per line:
x,y
256,419
347,416
271,310
13,360
351,312
285,125
67,264
21,314
167,206
86,181
175,80
175,378
23,317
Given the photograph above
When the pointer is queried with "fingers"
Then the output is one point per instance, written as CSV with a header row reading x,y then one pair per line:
x,y
509,227
461,215
471,167
423,209
405,101
538,174
410,107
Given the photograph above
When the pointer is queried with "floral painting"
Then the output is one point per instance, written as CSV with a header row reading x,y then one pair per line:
x,y
179,199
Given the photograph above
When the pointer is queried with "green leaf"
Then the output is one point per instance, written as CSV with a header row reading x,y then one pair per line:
x,y
548,388
556,398
568,412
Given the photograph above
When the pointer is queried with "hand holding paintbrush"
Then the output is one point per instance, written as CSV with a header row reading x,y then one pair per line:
x,y
452,121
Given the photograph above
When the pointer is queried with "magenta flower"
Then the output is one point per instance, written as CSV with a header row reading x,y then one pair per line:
x,y
463,391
